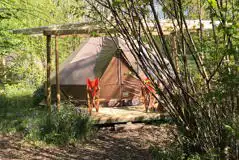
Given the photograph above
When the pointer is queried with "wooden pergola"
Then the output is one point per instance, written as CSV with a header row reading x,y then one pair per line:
x,y
60,32
82,29
86,30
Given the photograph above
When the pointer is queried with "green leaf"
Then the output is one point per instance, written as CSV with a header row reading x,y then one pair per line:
x,y
229,129
116,2
213,3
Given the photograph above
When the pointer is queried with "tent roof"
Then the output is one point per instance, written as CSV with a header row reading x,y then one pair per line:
x,y
90,60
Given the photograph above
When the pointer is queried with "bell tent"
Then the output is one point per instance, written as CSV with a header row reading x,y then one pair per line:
x,y
107,59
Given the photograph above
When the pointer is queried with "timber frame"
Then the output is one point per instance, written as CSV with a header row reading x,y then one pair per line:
x,y
92,29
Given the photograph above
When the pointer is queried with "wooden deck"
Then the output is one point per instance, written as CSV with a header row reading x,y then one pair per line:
x,y
107,115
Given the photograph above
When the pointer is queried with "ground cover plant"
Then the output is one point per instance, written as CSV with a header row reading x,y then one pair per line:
x,y
19,114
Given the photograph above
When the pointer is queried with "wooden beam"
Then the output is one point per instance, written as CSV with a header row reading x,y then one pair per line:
x,y
83,31
48,48
88,28
39,30
58,96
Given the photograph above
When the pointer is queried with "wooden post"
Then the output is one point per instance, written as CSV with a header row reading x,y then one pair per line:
x,y
120,78
48,46
58,96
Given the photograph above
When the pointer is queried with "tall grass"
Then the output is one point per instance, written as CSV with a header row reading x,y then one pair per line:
x,y
65,125
20,114
15,107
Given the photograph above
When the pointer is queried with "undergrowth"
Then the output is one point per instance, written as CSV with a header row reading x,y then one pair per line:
x,y
175,152
66,125
19,114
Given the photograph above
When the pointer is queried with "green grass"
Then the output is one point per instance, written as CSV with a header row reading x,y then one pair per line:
x,y
66,125
16,108
19,114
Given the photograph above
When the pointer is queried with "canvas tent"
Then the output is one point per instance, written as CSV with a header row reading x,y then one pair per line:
x,y
100,57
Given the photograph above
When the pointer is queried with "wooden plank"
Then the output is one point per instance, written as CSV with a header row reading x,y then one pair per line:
x,y
39,30
124,114
48,46
133,119
89,31
58,95
87,28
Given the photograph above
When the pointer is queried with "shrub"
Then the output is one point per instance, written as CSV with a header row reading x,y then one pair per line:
x,y
61,127
38,95
197,73
171,153
15,96
175,152
18,114
15,103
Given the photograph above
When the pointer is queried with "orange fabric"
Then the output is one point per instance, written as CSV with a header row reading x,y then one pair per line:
x,y
93,86
148,85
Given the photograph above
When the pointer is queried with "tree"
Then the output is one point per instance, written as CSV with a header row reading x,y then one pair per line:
x,y
28,52
200,79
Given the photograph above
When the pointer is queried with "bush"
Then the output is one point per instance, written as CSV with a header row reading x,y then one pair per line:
x,y
175,152
15,96
171,153
19,114
38,95
61,127
15,107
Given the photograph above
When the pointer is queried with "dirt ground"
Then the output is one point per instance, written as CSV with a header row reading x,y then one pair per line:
x,y
126,142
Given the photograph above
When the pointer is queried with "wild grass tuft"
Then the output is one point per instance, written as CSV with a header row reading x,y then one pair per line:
x,y
19,114
65,125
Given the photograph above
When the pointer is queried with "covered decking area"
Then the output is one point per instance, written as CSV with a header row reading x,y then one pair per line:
x,y
88,30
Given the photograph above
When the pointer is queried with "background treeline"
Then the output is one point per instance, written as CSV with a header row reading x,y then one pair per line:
x,y
22,58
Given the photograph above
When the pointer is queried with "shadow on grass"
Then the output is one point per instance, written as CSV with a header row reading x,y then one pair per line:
x,y
17,111
18,114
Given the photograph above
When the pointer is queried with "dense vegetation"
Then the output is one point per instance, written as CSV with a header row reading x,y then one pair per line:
x,y
24,56
22,72
198,71
20,115
200,81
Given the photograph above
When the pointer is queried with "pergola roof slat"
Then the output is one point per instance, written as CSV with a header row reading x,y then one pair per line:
x,y
90,28
40,30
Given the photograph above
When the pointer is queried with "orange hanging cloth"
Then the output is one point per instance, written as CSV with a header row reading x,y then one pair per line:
x,y
93,86
149,86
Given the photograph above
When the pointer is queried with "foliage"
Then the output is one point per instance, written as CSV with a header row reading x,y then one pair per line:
x,y
173,153
59,127
19,114
25,55
23,72
15,108
170,153
197,71
38,95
